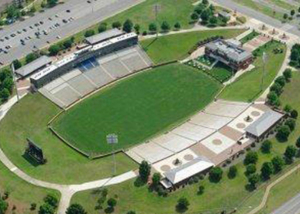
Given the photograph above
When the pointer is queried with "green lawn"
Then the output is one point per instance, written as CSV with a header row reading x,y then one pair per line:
x,y
248,86
21,193
176,46
137,108
29,118
144,14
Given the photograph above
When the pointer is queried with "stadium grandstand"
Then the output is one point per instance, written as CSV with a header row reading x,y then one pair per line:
x,y
113,55
34,66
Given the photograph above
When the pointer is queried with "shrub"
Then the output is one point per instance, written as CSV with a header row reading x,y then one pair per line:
x,y
298,142
283,133
54,50
253,179
112,202
201,190
280,80
182,204
116,24
89,33
127,26
51,200
278,163
250,169
267,170
287,74
294,114
291,123
290,153
232,172
251,157
103,27
75,209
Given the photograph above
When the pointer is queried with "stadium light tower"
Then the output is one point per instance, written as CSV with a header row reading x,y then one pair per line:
x,y
265,58
113,139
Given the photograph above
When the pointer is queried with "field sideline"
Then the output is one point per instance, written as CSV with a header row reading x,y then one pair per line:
x,y
139,107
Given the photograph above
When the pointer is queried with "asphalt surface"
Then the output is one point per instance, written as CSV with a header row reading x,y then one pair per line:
x,y
291,28
290,207
56,23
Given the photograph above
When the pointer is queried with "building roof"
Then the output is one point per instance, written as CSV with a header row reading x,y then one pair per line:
x,y
33,66
189,169
104,36
262,124
229,49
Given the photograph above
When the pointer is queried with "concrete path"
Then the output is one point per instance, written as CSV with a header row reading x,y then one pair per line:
x,y
67,191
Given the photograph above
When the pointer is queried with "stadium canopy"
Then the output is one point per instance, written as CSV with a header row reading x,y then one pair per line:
x,y
34,66
264,123
103,36
188,170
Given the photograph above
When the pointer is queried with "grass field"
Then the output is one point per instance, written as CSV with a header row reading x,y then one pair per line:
x,y
249,37
247,87
29,118
261,8
176,46
137,108
21,194
144,14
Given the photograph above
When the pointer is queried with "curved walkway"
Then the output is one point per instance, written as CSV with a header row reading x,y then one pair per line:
x,y
67,191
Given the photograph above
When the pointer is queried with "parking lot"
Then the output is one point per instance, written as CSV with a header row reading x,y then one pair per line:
x,y
36,32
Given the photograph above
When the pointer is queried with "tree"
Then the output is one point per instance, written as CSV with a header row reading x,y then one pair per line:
x,y
131,212
102,27
290,153
287,74
4,94
8,83
152,27
298,142
213,21
112,202
287,108
251,157
201,190
30,57
165,26
194,16
116,24
137,28
267,170
32,9
253,179
177,26
3,206
156,179
215,174
17,64
89,33
232,172
278,163
285,16
294,114
5,73
144,171
272,98
266,146
182,204
51,200
205,16
280,80
283,133
76,209
298,9
250,169
68,43
127,26
277,88
52,3
46,209
293,12
54,50
291,123
205,2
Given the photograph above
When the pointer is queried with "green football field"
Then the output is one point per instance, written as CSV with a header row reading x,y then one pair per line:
x,y
137,108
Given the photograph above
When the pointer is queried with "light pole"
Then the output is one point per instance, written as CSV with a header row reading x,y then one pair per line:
x,y
264,71
113,139
156,10
14,79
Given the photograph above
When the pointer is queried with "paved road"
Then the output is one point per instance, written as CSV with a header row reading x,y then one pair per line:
x,y
259,16
59,22
290,207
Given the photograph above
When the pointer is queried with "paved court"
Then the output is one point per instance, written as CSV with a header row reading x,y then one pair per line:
x,y
93,74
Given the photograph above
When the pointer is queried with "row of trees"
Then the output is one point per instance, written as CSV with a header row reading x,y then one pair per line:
x,y
292,14
6,84
295,56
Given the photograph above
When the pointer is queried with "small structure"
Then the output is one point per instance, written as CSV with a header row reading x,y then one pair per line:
x,y
230,53
179,175
101,37
35,152
224,14
259,129
34,66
